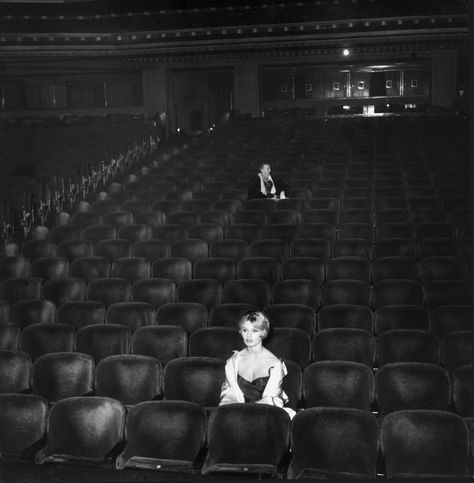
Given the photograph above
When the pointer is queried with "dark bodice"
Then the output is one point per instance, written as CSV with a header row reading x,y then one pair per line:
x,y
252,390
268,185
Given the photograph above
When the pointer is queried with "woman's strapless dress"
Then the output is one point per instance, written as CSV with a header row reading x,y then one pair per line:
x,y
253,391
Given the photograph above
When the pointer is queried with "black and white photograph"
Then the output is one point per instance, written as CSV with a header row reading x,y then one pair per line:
x,y
235,241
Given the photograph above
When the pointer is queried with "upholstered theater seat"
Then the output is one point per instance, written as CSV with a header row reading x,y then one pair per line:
x,y
74,248
131,314
298,316
338,383
33,249
398,292
118,218
129,378
299,291
20,288
331,442
345,344
290,343
9,336
156,291
79,314
248,439
250,291
195,379
164,436
461,383
15,371
412,385
389,317
11,267
188,315
393,267
60,375
97,424
37,339
217,342
112,248
109,290
163,342
406,345
450,318
32,311
456,349
346,291
90,268
346,316
22,426
103,340
348,267
425,444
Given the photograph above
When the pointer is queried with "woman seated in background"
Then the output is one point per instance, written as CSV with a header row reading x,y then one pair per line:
x,y
254,374
265,186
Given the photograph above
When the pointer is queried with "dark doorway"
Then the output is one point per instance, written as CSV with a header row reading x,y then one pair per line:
x,y
195,120
377,84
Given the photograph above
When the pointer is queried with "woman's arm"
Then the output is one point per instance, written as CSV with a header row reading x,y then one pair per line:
x,y
254,189
230,390
280,186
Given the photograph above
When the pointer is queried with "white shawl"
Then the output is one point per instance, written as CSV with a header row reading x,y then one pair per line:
x,y
273,393
263,190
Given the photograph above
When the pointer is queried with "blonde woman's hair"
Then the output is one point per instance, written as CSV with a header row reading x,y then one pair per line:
x,y
258,319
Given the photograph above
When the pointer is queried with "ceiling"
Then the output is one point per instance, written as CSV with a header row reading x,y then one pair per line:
x,y
184,30
334,8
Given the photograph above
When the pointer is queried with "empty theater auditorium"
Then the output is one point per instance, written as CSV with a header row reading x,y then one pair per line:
x,y
235,240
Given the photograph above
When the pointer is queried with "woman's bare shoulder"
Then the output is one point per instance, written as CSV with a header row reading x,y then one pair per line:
x,y
270,356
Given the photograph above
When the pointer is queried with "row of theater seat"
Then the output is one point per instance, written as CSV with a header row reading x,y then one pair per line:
x,y
324,169
202,224
167,341
316,179
215,225
326,173
296,211
241,443
326,179
256,291
242,240
440,320
447,205
304,207
323,177
226,215
237,438
223,269
134,378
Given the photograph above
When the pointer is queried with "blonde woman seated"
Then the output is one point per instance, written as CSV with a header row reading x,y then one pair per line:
x,y
254,374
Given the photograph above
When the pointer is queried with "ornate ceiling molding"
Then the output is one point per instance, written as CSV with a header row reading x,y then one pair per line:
x,y
190,38
145,34
264,48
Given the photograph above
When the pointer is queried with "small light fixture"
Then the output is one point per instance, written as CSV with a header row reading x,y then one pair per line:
x,y
346,52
